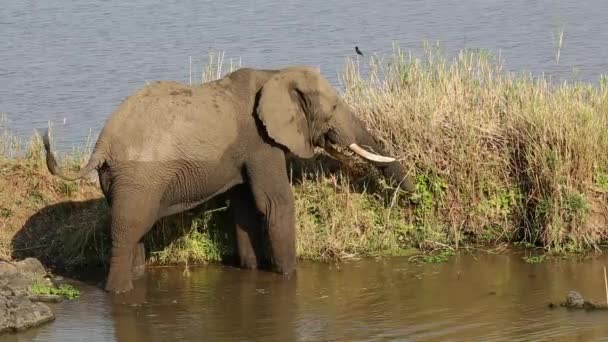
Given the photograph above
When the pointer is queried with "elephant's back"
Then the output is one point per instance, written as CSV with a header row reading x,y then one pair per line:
x,y
168,121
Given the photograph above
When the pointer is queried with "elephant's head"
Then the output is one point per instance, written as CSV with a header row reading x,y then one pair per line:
x,y
300,110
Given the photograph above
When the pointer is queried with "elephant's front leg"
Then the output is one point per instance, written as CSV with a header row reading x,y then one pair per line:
x,y
247,227
139,260
273,197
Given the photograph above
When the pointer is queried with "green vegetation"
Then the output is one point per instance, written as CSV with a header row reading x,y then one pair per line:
x,y
64,290
434,258
199,241
522,159
497,158
535,259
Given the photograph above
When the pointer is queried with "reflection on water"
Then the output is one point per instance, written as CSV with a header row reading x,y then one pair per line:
x,y
482,297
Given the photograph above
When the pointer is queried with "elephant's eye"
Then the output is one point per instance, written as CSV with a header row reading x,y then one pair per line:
x,y
335,106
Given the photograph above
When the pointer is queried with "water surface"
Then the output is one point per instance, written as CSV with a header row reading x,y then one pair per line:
x,y
76,60
480,297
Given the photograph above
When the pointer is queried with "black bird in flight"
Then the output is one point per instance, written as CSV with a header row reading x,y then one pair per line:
x,y
358,51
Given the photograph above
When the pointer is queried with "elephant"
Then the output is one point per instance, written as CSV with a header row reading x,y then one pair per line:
x,y
169,147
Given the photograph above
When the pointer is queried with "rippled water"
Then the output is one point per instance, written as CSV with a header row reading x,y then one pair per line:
x,y
480,297
76,60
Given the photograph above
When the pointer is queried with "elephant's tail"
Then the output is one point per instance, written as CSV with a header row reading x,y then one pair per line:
x,y
95,161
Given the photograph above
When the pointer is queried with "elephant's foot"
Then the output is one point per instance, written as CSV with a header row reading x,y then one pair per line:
x,y
139,261
120,277
119,283
250,263
284,270
284,266
283,250
247,257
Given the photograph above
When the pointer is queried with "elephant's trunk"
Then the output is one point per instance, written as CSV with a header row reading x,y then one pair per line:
x,y
389,167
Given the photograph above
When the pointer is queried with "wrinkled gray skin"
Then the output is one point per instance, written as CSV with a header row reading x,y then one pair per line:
x,y
169,147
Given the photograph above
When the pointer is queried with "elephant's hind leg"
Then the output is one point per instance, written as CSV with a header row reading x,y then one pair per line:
x,y
132,217
248,230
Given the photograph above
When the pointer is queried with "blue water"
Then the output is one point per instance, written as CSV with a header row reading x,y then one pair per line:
x,y
72,62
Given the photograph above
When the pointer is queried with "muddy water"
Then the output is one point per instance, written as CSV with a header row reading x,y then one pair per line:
x,y
481,297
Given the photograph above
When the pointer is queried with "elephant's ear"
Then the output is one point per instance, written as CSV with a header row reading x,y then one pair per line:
x,y
280,108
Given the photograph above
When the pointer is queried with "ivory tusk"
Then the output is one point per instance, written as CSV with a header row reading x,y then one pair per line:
x,y
370,156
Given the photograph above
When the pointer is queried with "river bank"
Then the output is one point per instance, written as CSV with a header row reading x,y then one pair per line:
x,y
498,158
24,286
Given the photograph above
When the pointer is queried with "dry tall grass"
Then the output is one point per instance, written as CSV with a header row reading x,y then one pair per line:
x,y
497,157
512,156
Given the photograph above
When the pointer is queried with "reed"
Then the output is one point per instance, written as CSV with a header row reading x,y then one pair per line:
x,y
606,284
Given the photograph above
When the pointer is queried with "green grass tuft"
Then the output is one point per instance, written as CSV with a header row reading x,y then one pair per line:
x,y
204,241
434,257
65,290
534,259
440,257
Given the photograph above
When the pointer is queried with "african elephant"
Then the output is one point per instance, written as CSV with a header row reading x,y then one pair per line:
x,y
169,147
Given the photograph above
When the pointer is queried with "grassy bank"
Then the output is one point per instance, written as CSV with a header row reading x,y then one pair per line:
x,y
497,157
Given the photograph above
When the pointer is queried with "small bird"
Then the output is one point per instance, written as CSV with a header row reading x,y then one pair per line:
x,y
358,51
